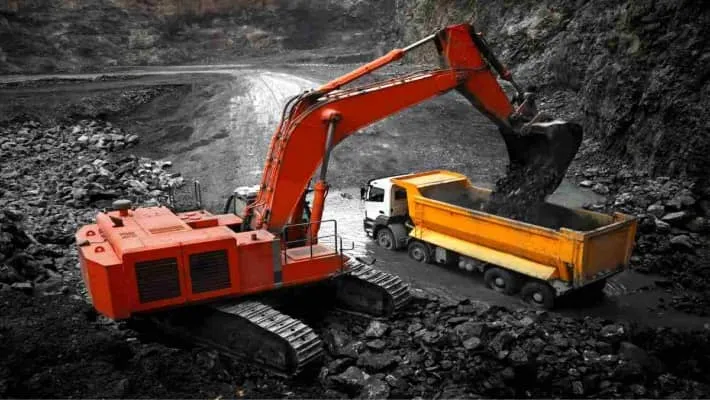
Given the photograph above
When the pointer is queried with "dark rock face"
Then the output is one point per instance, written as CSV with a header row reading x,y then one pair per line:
x,y
127,32
631,73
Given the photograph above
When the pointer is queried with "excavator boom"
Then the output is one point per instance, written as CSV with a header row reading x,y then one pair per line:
x,y
317,121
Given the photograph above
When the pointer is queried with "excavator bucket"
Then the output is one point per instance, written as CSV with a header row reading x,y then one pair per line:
x,y
544,148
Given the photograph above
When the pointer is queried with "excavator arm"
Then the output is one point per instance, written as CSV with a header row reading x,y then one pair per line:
x,y
314,122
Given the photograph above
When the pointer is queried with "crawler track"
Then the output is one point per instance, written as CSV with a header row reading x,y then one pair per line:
x,y
371,292
249,331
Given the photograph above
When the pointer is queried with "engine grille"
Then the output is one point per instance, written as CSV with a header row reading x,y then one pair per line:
x,y
209,271
157,280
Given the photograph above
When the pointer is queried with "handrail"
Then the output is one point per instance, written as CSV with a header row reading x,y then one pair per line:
x,y
307,240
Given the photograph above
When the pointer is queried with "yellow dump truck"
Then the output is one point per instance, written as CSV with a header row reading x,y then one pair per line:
x,y
438,216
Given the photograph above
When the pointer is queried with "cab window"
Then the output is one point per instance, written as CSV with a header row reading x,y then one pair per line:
x,y
376,194
400,194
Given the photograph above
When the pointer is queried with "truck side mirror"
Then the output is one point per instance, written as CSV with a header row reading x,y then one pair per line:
x,y
363,193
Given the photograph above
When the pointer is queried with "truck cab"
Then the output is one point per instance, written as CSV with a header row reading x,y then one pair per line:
x,y
386,212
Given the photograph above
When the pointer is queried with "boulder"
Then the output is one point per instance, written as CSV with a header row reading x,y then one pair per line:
x,y
698,225
662,226
682,242
657,210
376,345
352,380
375,388
676,218
472,343
335,340
377,361
600,188
376,329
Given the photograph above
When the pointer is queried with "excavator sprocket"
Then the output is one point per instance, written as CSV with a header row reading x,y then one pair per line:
x,y
249,331
370,292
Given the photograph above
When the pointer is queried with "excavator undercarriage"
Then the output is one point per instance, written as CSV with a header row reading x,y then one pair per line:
x,y
254,330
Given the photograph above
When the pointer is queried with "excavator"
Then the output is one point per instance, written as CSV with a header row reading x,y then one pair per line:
x,y
208,276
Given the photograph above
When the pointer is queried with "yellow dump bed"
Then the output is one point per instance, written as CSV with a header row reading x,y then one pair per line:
x,y
571,246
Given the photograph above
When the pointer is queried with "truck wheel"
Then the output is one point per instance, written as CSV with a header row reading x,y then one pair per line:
x,y
538,294
385,239
501,281
419,252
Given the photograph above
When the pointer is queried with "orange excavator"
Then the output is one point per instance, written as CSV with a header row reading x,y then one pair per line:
x,y
206,276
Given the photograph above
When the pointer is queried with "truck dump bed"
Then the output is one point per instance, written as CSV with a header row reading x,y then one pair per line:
x,y
573,246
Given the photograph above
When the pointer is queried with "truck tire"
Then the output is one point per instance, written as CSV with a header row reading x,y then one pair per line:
x,y
385,239
502,281
419,252
538,294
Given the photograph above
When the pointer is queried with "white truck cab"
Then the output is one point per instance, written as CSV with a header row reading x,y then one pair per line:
x,y
386,212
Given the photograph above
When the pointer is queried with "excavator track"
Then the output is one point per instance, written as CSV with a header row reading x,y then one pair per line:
x,y
249,331
370,292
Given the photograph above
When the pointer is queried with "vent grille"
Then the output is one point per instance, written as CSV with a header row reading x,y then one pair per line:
x,y
209,271
157,280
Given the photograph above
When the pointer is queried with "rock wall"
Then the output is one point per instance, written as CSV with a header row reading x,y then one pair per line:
x,y
634,72
53,35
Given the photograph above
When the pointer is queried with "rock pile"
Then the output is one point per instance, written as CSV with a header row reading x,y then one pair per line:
x,y
463,350
52,180
674,226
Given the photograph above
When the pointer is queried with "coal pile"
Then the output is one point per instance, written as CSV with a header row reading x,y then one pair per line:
x,y
441,349
520,193
673,238
53,179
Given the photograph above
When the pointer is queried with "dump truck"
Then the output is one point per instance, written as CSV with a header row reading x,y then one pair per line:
x,y
438,217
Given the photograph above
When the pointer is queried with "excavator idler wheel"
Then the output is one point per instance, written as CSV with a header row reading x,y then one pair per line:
x,y
419,252
538,294
385,239
501,281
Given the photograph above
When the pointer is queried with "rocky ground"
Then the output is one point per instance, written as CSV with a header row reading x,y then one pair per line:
x,y
55,177
632,73
48,36
673,238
